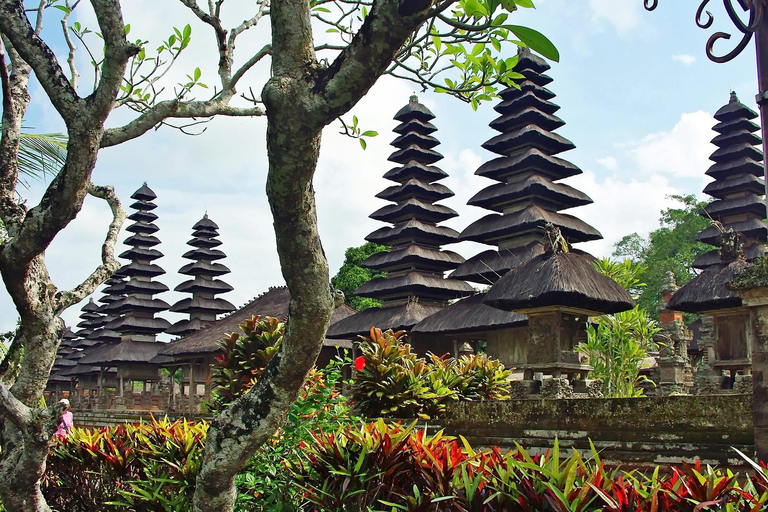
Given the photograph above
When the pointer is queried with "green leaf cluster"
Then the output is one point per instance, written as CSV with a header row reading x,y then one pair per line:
x,y
351,275
395,382
672,247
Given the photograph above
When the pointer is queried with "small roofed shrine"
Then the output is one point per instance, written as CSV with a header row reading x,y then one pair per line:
x,y
739,233
414,286
135,312
558,291
203,306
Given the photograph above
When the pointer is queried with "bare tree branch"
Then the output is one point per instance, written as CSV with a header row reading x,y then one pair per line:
x,y
173,109
19,414
266,50
109,264
70,44
15,25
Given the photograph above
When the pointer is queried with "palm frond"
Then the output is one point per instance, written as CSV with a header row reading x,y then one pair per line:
x,y
40,154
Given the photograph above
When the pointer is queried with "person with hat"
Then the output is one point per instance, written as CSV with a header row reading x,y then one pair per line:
x,y
67,420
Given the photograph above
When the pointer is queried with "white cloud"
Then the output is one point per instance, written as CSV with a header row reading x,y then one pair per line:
x,y
623,16
620,207
685,59
609,163
683,151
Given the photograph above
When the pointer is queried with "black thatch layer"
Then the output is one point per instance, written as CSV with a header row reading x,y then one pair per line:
x,y
136,268
413,152
429,192
142,216
724,208
144,193
204,268
736,124
413,231
739,136
751,253
414,110
144,206
274,303
560,279
142,240
748,183
531,220
416,256
204,253
138,325
417,284
708,291
488,266
143,228
143,287
415,138
413,170
468,316
751,228
747,165
414,209
736,151
135,253
415,125
125,352
734,110
200,304
517,120
200,284
397,318
537,189
528,161
529,136
524,101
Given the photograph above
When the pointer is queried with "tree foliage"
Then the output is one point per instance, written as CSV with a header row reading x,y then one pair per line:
x,y
351,275
617,344
672,247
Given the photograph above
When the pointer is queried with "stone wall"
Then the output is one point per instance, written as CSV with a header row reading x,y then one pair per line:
x,y
636,431
90,419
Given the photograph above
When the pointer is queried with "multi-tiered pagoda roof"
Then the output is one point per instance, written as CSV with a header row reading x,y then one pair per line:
x,y
203,306
525,198
738,185
414,286
136,311
738,230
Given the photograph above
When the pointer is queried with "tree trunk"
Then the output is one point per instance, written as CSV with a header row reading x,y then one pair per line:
x,y
253,419
25,448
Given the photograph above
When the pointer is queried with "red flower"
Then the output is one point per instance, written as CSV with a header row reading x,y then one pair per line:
x,y
360,363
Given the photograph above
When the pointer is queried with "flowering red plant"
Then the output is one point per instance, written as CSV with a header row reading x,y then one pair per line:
x,y
360,363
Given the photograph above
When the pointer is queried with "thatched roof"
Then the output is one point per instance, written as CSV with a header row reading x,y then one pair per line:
x,y
566,279
416,171
415,188
751,253
538,189
708,291
488,266
415,125
526,100
414,231
144,193
413,208
496,227
751,228
469,315
422,257
748,203
402,317
274,302
739,183
414,283
528,136
124,352
531,159
734,109
516,120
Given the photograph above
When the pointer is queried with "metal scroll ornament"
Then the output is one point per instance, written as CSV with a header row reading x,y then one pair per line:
x,y
704,19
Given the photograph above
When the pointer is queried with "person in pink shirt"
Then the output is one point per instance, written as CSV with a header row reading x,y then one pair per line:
x,y
67,420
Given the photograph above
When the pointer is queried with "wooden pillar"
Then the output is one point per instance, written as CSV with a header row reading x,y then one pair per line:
x,y
192,386
122,386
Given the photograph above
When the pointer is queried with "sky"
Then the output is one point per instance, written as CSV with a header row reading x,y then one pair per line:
x,y
636,91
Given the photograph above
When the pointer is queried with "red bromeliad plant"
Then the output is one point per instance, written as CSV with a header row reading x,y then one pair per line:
x,y
244,356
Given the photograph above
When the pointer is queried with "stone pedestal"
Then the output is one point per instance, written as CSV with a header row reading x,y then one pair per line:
x,y
556,387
